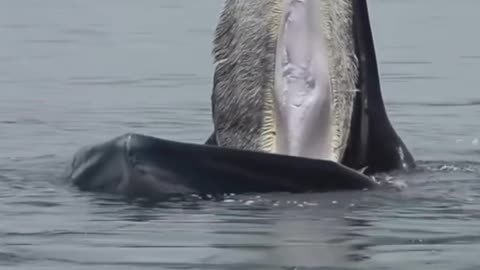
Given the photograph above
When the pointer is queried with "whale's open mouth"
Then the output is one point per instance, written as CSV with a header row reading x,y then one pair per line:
x,y
312,95
285,77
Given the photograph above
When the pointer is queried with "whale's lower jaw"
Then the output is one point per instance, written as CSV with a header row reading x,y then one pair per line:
x,y
285,77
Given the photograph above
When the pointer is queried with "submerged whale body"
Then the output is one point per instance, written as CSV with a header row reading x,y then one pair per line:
x,y
136,165
293,110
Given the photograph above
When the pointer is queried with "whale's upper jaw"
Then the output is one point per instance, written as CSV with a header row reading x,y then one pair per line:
x,y
285,76
315,78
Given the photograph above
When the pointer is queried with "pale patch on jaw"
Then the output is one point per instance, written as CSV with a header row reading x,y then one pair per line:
x,y
302,91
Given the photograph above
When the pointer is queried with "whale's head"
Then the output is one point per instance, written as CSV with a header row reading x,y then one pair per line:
x,y
288,75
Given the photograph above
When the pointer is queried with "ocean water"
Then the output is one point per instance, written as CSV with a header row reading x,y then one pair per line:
x,y
73,73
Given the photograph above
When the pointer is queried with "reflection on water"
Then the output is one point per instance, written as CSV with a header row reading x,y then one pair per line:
x,y
79,72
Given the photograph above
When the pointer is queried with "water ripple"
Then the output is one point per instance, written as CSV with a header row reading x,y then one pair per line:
x,y
79,72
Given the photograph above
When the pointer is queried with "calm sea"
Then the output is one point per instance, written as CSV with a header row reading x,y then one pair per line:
x,y
76,72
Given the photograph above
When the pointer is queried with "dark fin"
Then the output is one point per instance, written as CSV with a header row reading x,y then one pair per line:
x,y
379,148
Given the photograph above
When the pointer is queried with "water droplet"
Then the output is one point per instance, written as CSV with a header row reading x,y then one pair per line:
x,y
249,202
310,204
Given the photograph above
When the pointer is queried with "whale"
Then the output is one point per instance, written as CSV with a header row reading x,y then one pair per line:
x,y
296,106
303,81
140,166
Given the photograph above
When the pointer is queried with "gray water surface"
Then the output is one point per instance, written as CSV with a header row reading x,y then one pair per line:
x,y
73,73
